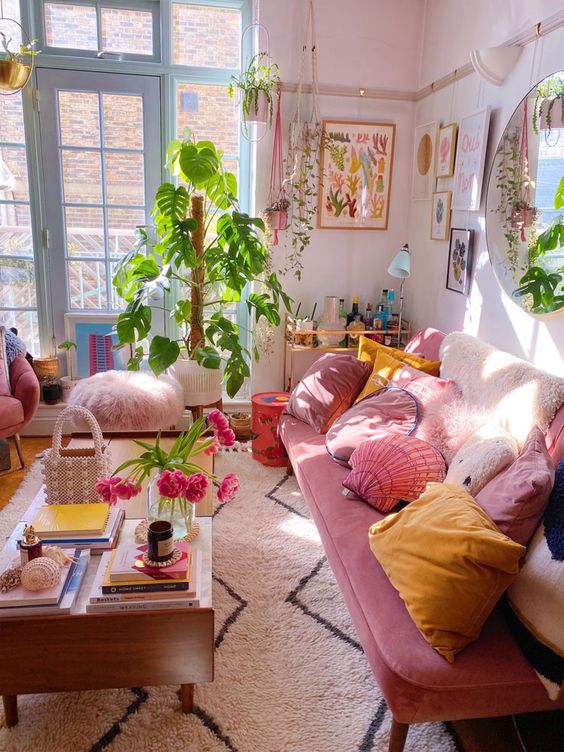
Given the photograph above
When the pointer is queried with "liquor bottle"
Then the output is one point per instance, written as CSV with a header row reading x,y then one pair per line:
x,y
368,316
384,298
354,312
391,300
342,311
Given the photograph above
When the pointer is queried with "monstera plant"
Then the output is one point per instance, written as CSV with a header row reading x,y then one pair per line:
x,y
198,258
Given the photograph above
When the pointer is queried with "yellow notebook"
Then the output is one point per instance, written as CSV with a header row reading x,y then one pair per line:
x,y
54,520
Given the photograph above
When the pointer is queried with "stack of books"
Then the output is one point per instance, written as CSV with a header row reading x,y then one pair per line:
x,y
94,526
124,583
59,599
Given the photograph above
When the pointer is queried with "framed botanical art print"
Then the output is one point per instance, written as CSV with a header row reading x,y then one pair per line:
x,y
424,161
459,261
446,150
357,160
440,215
470,158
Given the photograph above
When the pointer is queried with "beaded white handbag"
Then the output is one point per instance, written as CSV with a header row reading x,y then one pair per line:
x,y
70,474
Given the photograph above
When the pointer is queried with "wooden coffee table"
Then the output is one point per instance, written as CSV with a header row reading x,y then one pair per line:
x,y
82,651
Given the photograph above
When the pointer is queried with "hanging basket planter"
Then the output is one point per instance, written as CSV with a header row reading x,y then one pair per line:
x,y
13,75
256,107
551,114
277,220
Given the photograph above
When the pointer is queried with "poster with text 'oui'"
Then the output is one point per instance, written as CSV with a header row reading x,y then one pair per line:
x,y
470,157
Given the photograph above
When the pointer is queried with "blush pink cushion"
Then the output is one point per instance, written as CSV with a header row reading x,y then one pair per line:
x,y
327,389
427,343
555,437
384,413
387,471
517,497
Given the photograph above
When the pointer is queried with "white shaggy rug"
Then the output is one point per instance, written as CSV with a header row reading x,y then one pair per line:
x,y
290,674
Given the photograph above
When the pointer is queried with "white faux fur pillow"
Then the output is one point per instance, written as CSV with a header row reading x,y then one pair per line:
x,y
481,458
513,392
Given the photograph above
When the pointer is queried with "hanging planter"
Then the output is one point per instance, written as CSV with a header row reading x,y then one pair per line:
x,y
277,218
276,212
258,85
16,60
551,114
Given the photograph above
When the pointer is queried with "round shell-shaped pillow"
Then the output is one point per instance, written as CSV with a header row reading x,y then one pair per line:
x,y
397,468
40,574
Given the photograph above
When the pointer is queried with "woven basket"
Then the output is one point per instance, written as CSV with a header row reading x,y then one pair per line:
x,y
240,424
70,474
46,368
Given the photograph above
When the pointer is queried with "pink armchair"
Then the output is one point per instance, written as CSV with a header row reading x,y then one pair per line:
x,y
17,410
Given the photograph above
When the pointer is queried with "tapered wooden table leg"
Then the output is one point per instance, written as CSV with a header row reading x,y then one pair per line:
x,y
10,709
187,696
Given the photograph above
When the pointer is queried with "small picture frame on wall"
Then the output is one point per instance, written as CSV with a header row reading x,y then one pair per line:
x,y
423,181
470,159
459,270
95,337
446,150
440,215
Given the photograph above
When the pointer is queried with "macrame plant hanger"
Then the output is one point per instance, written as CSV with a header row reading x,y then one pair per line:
x,y
277,206
304,148
14,75
254,29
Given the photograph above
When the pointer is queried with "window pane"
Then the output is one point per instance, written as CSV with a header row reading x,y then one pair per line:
x,y
26,324
210,113
17,284
15,230
79,118
206,36
121,229
87,282
85,231
11,121
125,180
71,26
13,174
123,121
129,31
82,176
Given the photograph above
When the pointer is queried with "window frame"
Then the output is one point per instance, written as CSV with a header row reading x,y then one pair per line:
x,y
151,6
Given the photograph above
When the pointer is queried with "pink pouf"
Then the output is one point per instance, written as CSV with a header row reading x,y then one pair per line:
x,y
130,400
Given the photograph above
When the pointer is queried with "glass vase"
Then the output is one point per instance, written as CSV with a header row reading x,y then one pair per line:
x,y
179,512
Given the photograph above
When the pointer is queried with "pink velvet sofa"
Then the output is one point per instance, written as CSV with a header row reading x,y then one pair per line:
x,y
17,410
489,678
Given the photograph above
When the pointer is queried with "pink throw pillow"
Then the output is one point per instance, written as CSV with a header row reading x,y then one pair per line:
x,y
327,389
427,343
387,471
4,371
517,497
386,412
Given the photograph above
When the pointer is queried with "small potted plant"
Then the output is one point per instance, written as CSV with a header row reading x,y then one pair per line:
x,y
15,64
523,214
548,107
51,389
258,85
68,383
277,214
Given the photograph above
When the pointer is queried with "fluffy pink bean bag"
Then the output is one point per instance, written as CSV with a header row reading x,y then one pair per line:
x,y
130,400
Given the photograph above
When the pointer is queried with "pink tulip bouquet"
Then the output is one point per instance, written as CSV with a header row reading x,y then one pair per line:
x,y
179,483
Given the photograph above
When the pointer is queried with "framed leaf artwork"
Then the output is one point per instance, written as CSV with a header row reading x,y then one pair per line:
x,y
440,215
424,160
357,162
446,150
459,261
470,158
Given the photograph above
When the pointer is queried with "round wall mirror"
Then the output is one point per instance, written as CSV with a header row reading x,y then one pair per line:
x,y
525,201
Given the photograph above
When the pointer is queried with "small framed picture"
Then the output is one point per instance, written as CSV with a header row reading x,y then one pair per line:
x,y
95,337
446,150
423,180
459,261
440,215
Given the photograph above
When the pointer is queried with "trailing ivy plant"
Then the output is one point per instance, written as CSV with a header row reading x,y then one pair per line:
x,y
551,89
260,76
201,241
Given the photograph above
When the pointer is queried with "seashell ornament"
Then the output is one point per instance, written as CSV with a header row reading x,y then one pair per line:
x,y
40,574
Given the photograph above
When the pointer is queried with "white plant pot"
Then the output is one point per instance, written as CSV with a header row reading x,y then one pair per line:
x,y
259,112
202,386
67,385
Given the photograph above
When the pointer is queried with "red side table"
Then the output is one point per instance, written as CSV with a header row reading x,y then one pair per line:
x,y
267,445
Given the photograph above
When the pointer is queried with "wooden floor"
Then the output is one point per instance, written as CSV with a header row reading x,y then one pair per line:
x,y
540,732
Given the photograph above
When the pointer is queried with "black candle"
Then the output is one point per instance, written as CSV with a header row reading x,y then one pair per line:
x,y
160,540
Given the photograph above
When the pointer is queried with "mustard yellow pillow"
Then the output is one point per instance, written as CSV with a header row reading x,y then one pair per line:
x,y
368,349
449,563
383,369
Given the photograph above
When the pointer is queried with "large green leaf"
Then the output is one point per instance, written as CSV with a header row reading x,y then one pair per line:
x,y
134,323
208,357
559,196
221,189
198,165
163,352
172,201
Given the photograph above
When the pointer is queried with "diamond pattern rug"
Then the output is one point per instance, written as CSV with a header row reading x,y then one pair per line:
x,y
290,673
